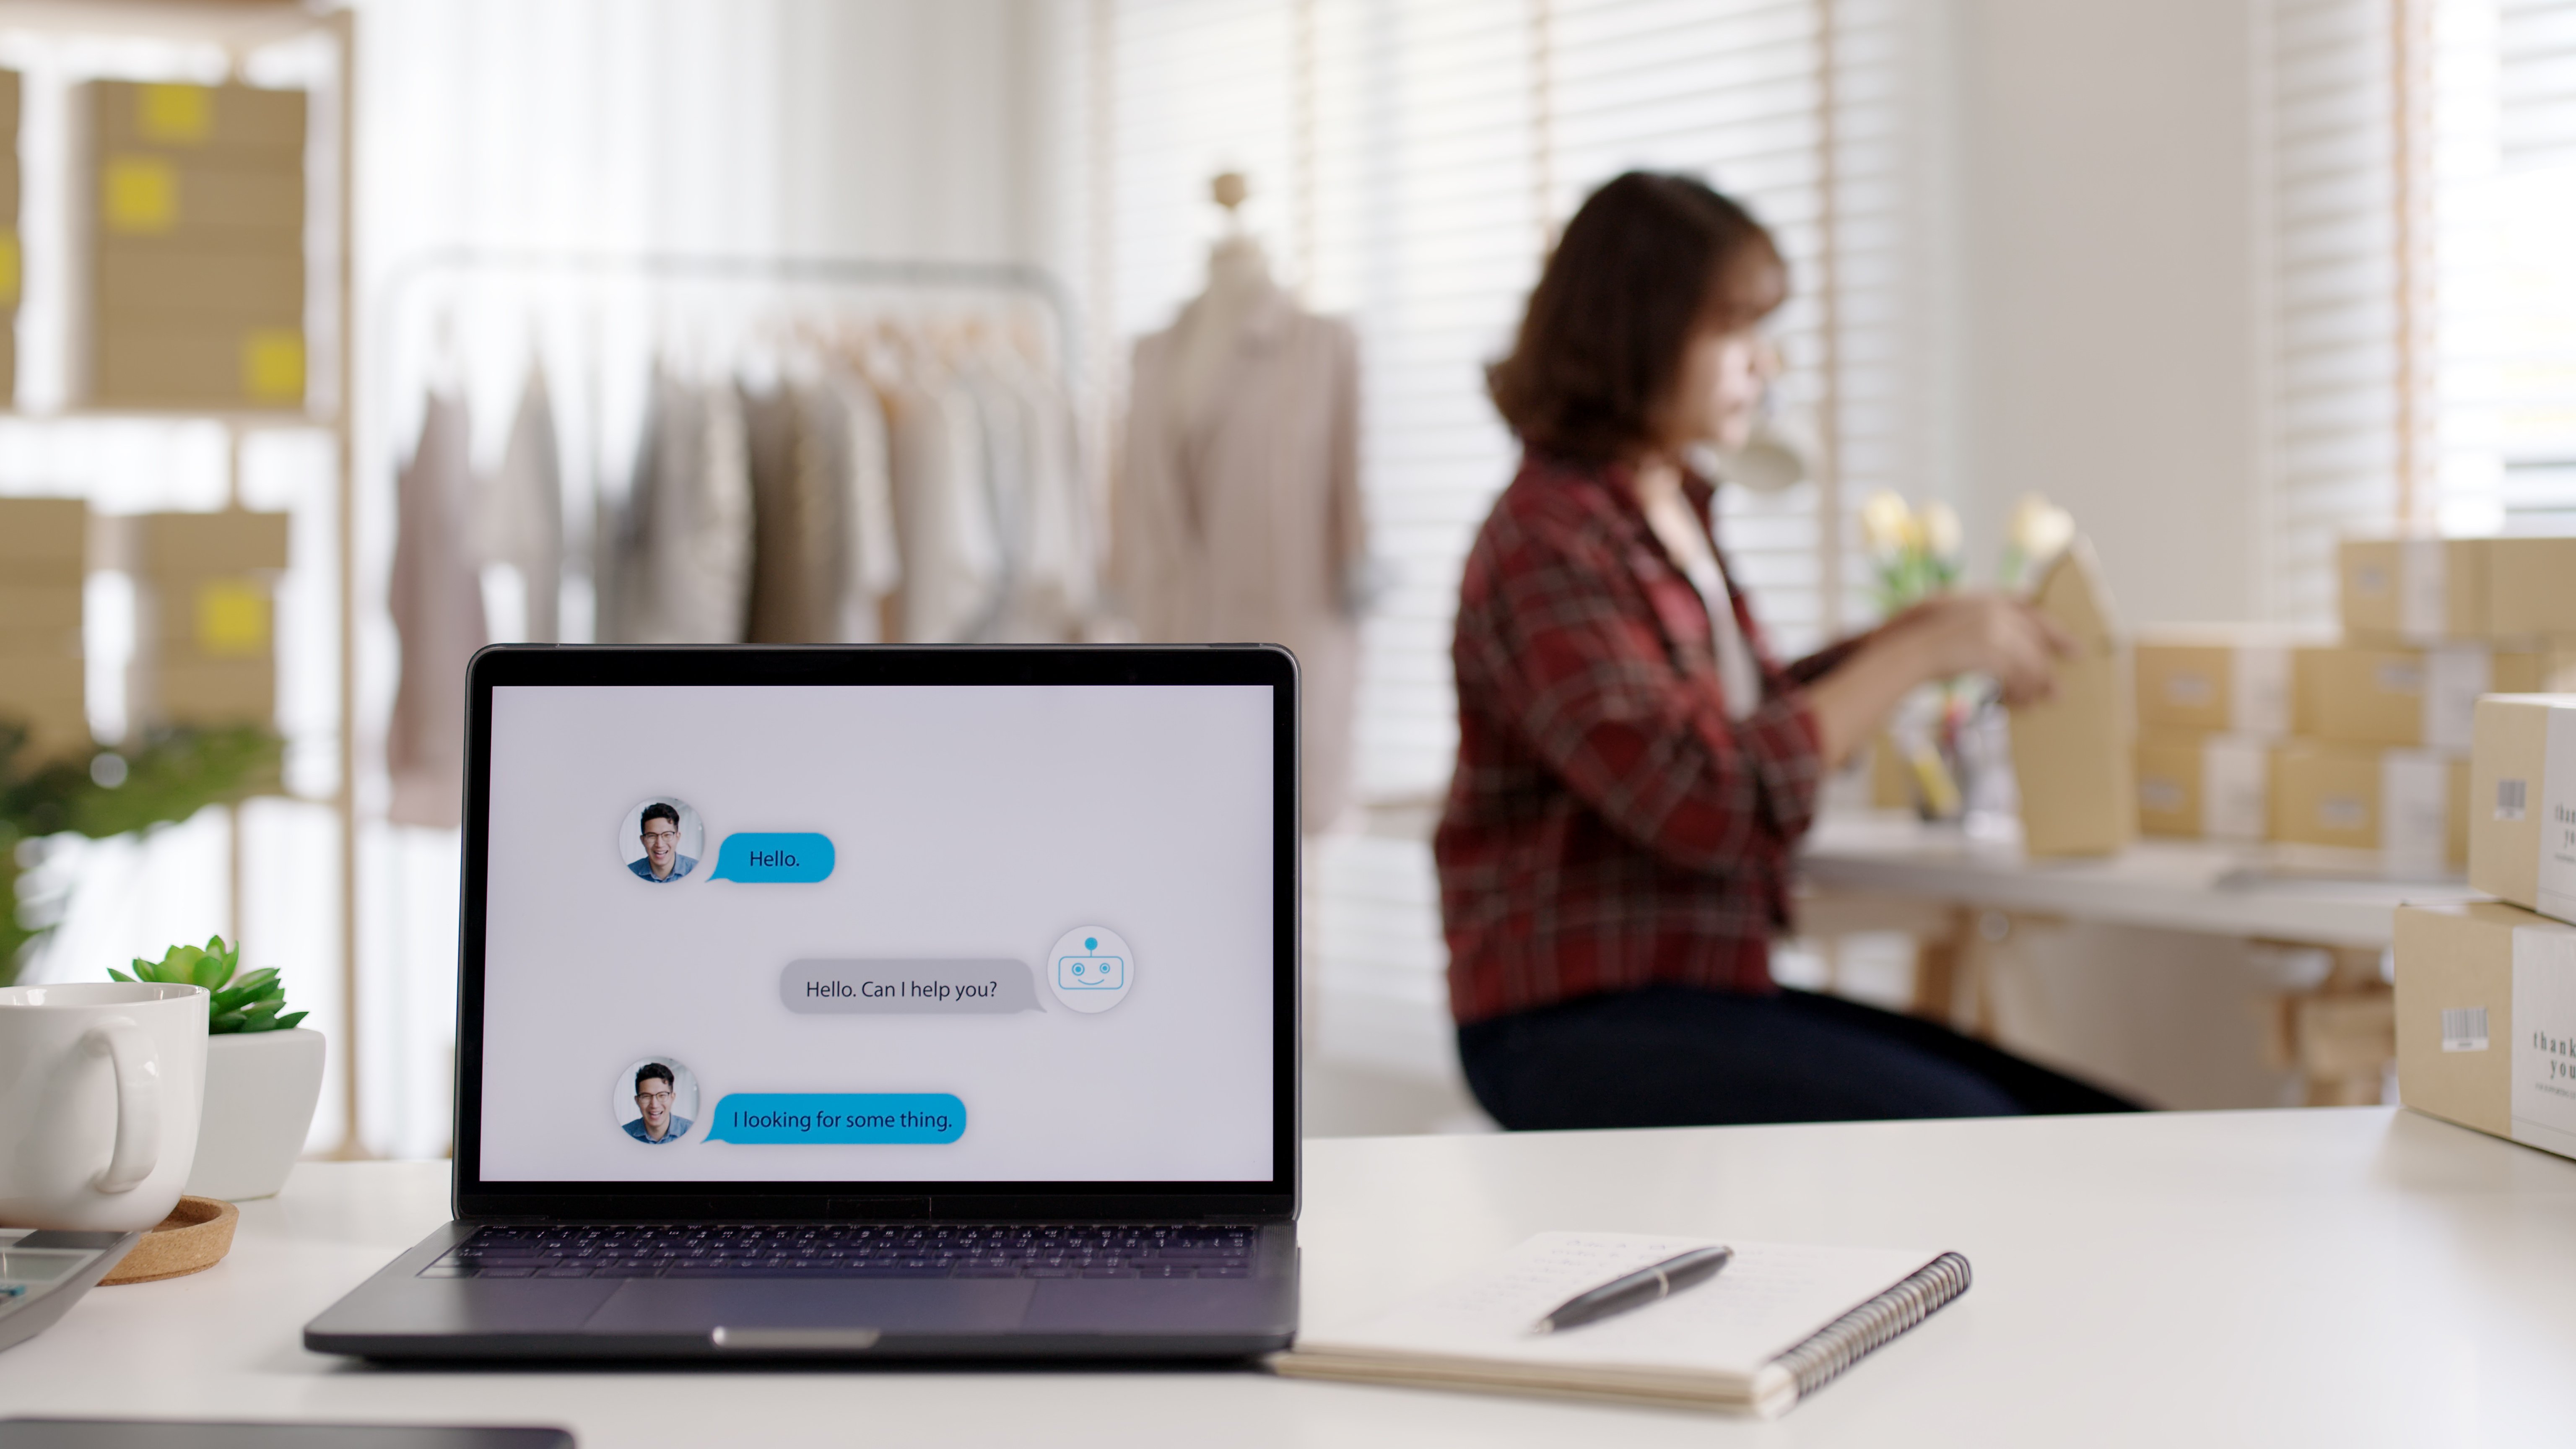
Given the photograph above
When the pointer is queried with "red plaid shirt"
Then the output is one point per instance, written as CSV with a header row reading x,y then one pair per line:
x,y
1608,827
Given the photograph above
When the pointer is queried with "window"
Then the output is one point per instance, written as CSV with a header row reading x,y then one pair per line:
x,y
2421,189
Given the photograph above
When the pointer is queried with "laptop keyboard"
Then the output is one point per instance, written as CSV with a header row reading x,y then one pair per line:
x,y
850,1251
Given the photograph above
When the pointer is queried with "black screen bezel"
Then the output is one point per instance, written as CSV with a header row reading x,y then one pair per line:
x,y
962,665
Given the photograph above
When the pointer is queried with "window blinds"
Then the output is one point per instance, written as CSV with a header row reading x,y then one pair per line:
x,y
2325,77
2420,186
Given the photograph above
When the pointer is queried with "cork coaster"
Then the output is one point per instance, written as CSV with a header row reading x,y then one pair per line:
x,y
195,1237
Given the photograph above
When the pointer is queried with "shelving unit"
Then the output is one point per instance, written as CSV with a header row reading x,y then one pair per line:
x,y
240,28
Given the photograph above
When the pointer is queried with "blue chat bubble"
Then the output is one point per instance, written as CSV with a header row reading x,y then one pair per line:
x,y
838,1117
774,855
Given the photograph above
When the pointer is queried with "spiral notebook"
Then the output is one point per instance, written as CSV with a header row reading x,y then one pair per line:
x,y
1779,1323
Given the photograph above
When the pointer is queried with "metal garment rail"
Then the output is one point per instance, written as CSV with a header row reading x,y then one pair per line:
x,y
476,261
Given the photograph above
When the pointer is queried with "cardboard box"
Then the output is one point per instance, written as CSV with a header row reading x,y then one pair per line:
x,y
2522,801
225,366
2411,697
237,121
39,608
2531,588
205,692
43,541
2219,678
217,616
192,545
56,733
2413,590
2486,1021
2411,806
148,286
187,259
43,678
2074,754
139,198
2205,787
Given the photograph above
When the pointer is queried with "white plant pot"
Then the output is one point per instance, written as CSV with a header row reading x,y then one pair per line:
x,y
261,1088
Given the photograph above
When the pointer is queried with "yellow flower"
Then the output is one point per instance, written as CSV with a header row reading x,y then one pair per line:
x,y
1941,529
2040,529
1886,524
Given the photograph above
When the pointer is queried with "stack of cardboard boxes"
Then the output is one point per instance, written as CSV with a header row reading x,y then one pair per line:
x,y
43,552
205,647
2361,741
2486,992
191,241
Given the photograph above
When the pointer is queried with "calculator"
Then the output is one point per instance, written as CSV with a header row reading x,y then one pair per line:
x,y
43,1273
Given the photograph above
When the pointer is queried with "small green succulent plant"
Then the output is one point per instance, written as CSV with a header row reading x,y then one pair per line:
x,y
252,1003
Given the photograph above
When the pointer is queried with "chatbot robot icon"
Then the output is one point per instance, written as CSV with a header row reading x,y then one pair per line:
x,y
1090,968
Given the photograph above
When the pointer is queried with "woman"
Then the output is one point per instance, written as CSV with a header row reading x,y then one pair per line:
x,y
1633,768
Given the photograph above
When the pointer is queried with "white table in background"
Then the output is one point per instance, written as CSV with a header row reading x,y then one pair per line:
x,y
2323,897
1957,896
2352,1277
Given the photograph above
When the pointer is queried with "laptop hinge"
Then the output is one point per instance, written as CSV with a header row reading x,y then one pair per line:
x,y
877,1209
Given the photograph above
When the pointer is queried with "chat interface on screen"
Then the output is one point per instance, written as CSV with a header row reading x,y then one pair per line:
x,y
879,934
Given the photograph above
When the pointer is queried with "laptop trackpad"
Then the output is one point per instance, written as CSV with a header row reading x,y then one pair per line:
x,y
699,1305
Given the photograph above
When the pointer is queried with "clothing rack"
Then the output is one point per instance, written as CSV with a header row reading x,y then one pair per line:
x,y
468,262
1035,281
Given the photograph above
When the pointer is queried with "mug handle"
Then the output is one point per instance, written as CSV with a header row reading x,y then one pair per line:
x,y
138,1102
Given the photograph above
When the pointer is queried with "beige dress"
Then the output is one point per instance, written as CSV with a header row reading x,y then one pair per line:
x,y
1244,522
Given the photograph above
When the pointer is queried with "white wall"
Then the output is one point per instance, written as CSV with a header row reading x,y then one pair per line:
x,y
2105,282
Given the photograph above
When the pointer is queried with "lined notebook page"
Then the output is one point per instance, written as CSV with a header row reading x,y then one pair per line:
x,y
1770,1297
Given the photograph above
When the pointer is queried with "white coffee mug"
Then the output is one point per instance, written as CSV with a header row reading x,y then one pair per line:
x,y
101,1084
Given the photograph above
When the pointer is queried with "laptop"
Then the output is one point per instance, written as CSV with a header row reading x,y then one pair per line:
x,y
883,1002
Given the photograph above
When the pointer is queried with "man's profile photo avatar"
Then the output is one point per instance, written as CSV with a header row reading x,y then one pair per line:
x,y
658,1107
670,837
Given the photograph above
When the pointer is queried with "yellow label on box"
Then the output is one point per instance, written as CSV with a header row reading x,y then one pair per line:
x,y
139,195
273,364
232,618
181,115
8,266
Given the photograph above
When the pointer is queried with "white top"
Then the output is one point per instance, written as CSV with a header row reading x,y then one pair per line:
x,y
1669,514
2352,1277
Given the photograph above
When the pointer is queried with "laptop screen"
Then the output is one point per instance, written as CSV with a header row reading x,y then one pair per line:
x,y
856,933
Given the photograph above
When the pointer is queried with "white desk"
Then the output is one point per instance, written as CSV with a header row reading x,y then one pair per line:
x,y
2346,1277
2329,898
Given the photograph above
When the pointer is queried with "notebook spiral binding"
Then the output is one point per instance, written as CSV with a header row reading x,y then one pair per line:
x,y
1824,1354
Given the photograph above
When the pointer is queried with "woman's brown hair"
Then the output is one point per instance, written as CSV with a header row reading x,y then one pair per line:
x,y
1647,261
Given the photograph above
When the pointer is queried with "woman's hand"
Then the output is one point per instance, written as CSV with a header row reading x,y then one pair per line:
x,y
1953,634
1986,634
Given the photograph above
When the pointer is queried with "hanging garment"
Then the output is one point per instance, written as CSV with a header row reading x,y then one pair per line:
x,y
436,599
684,564
952,559
796,527
841,455
1243,521
1006,490
520,518
1055,588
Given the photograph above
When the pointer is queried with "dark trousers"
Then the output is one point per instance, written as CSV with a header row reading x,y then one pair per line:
x,y
1671,1056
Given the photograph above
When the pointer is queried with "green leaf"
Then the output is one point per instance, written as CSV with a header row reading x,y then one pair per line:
x,y
288,1021
258,980
212,969
116,975
226,1024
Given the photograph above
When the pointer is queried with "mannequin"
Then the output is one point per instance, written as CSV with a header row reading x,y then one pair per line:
x,y
1238,513
1211,328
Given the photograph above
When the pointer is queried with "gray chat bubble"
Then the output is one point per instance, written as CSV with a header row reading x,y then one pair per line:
x,y
885,988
